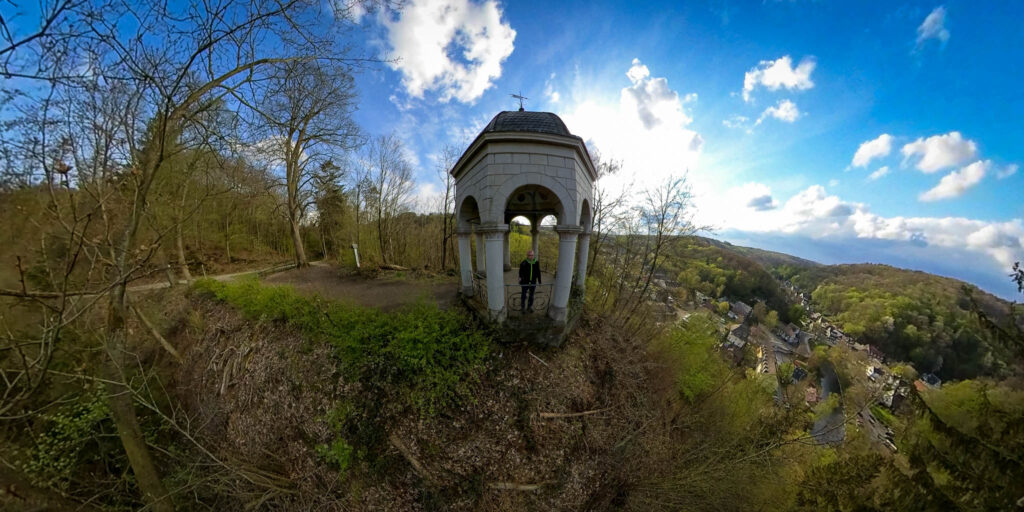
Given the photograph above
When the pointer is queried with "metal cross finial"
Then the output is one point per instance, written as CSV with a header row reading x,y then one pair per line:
x,y
520,97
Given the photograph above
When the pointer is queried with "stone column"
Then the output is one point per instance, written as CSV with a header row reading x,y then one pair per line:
x,y
535,236
581,261
494,237
481,254
563,277
465,263
508,253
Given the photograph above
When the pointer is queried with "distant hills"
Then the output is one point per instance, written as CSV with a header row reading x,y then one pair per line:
x,y
769,259
910,315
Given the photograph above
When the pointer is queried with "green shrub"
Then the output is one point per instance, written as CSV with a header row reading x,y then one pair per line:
x,y
338,454
70,440
423,357
689,349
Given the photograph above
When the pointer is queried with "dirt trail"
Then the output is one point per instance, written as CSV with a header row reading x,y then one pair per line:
x,y
385,293
221,277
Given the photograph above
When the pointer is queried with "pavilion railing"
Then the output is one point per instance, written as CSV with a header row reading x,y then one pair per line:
x,y
541,297
513,296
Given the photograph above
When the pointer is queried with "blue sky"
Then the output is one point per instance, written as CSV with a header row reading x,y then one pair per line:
x,y
839,131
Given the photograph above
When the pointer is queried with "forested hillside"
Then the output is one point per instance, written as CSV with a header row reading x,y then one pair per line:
x,y
718,269
912,316
769,259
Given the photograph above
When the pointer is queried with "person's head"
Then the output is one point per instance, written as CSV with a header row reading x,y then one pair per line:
x,y
529,254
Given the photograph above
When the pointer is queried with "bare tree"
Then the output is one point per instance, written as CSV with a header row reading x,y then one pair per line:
x,y
307,108
607,202
642,234
391,176
449,155
330,199
152,77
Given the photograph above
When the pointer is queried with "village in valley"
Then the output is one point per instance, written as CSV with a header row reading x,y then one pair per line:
x,y
792,353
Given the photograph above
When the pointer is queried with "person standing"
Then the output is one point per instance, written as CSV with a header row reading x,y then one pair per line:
x,y
529,278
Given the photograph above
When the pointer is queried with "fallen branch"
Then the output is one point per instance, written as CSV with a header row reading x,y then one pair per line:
x,y
511,486
156,334
391,266
537,358
416,465
44,295
571,414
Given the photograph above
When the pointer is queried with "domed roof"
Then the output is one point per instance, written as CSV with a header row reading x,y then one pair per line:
x,y
526,121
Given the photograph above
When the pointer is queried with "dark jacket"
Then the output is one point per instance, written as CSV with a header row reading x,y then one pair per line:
x,y
529,274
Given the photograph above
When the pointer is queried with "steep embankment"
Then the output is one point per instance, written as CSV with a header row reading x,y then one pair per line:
x,y
408,421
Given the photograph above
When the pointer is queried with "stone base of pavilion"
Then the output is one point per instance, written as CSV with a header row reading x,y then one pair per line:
x,y
544,326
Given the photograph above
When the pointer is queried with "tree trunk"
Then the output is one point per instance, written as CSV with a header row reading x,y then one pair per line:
x,y
380,233
300,251
227,237
122,407
172,280
180,246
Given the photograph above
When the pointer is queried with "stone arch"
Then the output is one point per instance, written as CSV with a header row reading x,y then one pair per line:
x,y
536,200
468,212
586,216
504,194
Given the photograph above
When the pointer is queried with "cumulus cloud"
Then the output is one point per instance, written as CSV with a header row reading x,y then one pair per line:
x,y
736,122
933,27
815,214
653,99
814,204
453,47
756,196
882,171
940,151
1007,171
879,147
956,183
646,129
784,111
779,73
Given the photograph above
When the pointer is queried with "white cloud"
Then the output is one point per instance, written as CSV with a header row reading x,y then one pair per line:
x,y
833,183
956,183
756,196
354,11
549,90
736,122
879,147
882,171
815,214
1007,171
646,129
933,27
653,99
785,111
454,47
779,73
940,151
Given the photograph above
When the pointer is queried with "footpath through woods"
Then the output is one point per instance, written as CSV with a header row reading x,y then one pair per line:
x,y
224,277
388,291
